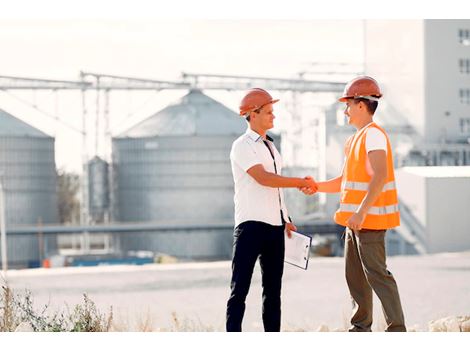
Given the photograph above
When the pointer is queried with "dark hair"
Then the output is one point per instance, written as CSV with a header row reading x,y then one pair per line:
x,y
371,105
247,116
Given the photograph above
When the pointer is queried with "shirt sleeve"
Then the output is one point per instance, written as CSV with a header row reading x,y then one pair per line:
x,y
244,155
375,140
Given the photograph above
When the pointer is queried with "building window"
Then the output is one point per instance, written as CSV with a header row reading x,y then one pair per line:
x,y
465,96
465,126
464,37
464,66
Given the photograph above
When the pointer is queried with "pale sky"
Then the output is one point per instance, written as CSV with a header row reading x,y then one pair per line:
x,y
156,49
55,39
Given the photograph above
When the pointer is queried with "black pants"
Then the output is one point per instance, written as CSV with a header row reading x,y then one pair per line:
x,y
253,239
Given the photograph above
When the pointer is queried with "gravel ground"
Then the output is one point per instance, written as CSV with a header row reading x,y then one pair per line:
x,y
431,287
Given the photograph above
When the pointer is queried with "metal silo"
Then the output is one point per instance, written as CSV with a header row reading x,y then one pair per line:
x,y
98,189
175,165
28,175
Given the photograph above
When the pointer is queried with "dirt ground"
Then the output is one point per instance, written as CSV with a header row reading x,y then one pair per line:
x,y
431,287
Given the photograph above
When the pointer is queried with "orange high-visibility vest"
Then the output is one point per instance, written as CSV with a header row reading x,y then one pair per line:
x,y
384,212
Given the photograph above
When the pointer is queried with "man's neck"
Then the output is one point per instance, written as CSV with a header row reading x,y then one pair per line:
x,y
262,133
364,124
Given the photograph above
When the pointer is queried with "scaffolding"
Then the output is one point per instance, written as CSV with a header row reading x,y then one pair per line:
x,y
100,86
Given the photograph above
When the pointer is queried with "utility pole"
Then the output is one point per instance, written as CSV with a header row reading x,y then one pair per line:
x,y
3,232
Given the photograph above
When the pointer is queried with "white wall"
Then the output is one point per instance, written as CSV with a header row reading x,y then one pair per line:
x,y
411,190
448,213
443,79
439,199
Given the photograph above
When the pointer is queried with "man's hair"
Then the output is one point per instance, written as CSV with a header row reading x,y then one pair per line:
x,y
370,104
247,116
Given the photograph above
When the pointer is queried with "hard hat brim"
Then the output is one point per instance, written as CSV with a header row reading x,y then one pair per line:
x,y
243,113
368,97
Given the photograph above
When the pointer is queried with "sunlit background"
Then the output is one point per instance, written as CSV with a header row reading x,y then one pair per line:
x,y
115,133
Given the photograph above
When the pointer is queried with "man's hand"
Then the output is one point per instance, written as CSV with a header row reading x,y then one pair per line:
x,y
290,227
311,188
355,221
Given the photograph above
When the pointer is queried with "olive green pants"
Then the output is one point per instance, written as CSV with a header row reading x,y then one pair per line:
x,y
366,271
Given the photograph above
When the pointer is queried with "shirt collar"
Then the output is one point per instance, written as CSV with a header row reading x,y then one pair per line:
x,y
255,136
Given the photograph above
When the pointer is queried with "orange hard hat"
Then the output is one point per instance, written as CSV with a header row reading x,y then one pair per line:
x,y
361,87
255,99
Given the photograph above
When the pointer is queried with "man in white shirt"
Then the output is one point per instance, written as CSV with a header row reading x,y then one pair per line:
x,y
261,216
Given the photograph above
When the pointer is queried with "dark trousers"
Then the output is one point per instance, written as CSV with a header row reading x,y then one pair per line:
x,y
366,271
253,239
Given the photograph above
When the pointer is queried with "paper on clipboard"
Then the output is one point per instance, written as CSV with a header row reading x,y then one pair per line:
x,y
297,249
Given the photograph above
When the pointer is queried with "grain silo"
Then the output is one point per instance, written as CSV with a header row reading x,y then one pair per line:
x,y
175,167
29,179
98,189
175,164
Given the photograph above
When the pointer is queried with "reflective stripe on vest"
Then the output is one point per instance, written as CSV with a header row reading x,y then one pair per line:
x,y
351,208
364,186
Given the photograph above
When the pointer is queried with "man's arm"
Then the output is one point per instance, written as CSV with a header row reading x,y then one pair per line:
x,y
330,186
378,162
270,179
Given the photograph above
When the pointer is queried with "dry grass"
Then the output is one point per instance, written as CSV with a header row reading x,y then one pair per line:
x,y
17,314
188,325
9,317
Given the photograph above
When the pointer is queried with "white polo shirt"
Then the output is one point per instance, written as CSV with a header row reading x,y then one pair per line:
x,y
254,201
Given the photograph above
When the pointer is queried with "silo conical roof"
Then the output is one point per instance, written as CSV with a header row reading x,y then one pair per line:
x,y
193,114
12,126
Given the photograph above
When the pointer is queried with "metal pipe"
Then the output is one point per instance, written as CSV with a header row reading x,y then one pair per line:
x,y
3,232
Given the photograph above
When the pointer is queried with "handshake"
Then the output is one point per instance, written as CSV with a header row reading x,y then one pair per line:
x,y
309,187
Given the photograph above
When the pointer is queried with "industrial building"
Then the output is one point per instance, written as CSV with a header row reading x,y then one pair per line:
x,y
426,84
29,182
171,172
174,167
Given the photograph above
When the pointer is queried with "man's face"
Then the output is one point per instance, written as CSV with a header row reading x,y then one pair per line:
x,y
265,118
352,111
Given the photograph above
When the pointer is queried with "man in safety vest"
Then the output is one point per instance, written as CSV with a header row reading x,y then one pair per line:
x,y
368,208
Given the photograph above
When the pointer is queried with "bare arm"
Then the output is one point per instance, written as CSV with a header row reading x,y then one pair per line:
x,y
378,162
270,179
330,186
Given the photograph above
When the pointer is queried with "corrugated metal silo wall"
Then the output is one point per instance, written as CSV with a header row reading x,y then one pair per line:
x,y
29,179
184,179
98,188
174,178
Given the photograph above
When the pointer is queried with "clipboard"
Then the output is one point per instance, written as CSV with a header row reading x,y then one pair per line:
x,y
297,250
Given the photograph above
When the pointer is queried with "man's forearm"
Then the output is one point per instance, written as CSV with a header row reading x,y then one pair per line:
x,y
330,186
375,188
277,181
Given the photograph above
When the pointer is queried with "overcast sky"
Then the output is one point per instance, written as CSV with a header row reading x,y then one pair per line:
x,y
158,49
142,38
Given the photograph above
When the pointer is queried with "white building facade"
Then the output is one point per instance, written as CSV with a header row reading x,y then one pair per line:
x,y
423,67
